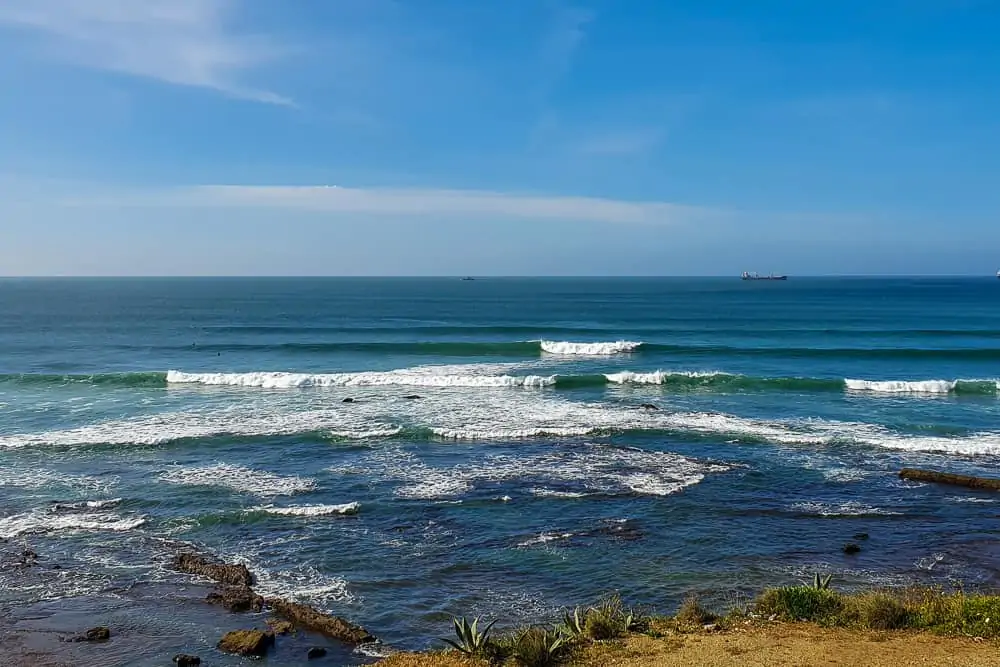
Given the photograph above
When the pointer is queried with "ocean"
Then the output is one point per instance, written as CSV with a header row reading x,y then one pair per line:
x,y
507,448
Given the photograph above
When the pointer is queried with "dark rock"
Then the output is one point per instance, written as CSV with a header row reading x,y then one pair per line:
x,y
412,397
279,627
851,548
246,642
57,567
230,575
348,400
182,660
649,406
861,536
98,634
236,598
331,626
315,652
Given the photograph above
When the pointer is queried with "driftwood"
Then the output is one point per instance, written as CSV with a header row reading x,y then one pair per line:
x,y
990,484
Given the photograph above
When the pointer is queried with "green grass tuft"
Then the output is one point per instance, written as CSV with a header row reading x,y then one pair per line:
x,y
800,603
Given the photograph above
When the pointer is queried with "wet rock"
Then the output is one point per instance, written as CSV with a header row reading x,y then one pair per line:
x,y
649,406
98,634
230,575
28,558
236,598
851,548
246,642
308,618
280,627
348,400
861,536
315,652
412,397
183,660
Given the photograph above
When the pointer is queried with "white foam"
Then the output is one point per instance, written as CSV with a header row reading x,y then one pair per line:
x,y
656,377
545,538
405,377
311,510
582,469
487,433
589,349
850,508
38,478
903,386
44,522
552,493
86,504
240,479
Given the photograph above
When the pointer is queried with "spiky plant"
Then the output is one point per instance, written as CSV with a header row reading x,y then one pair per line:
x,y
822,583
471,641
539,647
574,623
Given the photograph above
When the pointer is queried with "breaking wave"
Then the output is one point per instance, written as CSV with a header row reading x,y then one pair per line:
x,y
406,378
240,479
46,522
310,510
589,349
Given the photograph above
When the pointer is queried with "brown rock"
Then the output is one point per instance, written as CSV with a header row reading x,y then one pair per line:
x,y
280,627
331,626
182,660
246,642
230,575
236,598
98,634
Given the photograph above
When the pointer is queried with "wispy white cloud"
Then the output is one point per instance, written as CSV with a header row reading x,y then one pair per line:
x,y
626,142
181,42
412,202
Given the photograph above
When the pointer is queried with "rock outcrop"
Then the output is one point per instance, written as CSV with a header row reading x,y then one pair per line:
x,y
246,642
229,575
237,599
98,634
307,618
184,660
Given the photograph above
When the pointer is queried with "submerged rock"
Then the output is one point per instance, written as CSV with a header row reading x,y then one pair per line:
x,y
279,627
348,400
98,634
246,642
861,536
412,397
315,652
331,626
649,406
851,548
183,660
236,598
230,575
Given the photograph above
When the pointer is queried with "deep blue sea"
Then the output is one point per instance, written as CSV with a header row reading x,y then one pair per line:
x,y
501,455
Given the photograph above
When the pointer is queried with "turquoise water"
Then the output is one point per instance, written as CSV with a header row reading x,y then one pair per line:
x,y
528,474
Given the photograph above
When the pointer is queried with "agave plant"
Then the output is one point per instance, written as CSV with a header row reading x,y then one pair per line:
x,y
471,641
574,623
539,647
822,583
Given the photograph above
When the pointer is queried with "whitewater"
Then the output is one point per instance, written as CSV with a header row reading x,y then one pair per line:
x,y
367,446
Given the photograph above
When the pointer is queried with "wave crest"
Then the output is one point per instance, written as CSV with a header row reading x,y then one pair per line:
x,y
589,349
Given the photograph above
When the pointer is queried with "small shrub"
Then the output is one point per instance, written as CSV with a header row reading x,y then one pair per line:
x,y
600,627
471,641
538,647
692,613
876,611
799,603
822,583
574,623
979,615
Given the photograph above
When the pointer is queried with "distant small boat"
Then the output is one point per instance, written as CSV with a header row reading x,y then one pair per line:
x,y
998,274
468,278
755,276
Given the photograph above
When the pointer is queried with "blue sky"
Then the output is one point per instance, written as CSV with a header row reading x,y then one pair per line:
x,y
442,137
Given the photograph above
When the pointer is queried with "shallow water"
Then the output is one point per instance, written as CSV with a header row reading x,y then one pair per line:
x,y
527,475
